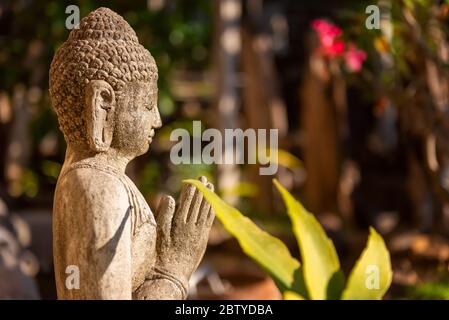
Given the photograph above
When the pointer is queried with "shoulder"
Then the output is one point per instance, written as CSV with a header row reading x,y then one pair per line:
x,y
93,196
92,184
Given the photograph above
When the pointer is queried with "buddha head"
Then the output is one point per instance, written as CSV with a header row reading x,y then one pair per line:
x,y
103,87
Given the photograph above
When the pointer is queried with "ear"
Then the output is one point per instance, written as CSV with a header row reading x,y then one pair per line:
x,y
99,116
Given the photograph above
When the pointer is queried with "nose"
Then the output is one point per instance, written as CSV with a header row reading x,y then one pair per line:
x,y
157,122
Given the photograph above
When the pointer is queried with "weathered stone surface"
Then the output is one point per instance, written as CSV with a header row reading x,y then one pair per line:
x,y
103,87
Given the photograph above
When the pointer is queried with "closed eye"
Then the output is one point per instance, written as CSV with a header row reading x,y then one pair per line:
x,y
151,100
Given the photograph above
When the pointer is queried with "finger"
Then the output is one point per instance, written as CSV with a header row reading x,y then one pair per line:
x,y
210,217
163,202
196,202
210,186
187,194
205,207
164,215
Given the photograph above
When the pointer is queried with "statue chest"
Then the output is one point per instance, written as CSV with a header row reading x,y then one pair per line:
x,y
143,231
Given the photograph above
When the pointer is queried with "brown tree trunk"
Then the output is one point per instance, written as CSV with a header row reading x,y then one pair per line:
x,y
321,137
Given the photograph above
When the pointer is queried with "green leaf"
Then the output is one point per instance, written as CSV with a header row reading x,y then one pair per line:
x,y
283,158
290,295
371,276
242,189
319,258
288,160
268,251
335,286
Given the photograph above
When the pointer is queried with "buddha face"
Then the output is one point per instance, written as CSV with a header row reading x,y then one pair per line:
x,y
103,87
136,118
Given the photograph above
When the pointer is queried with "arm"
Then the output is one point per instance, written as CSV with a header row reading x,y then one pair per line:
x,y
93,233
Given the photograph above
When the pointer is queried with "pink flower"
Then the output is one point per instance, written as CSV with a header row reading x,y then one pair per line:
x,y
328,34
335,49
354,58
326,30
332,46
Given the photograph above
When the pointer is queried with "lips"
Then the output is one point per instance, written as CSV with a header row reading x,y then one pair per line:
x,y
151,135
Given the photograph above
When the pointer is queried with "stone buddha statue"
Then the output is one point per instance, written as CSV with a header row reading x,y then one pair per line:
x,y
103,87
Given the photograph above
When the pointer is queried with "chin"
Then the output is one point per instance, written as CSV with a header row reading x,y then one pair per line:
x,y
144,149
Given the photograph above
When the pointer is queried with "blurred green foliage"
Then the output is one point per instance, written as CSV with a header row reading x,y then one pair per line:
x,y
177,33
431,291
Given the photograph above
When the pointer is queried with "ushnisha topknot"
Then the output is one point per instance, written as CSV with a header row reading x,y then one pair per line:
x,y
104,23
105,47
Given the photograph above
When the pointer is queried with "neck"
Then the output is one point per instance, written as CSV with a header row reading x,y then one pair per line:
x,y
111,157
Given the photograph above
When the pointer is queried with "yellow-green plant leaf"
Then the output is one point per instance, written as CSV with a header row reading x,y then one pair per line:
x,y
290,295
284,158
371,276
280,157
242,189
318,255
268,251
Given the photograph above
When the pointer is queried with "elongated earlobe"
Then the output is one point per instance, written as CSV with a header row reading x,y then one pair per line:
x,y
100,109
